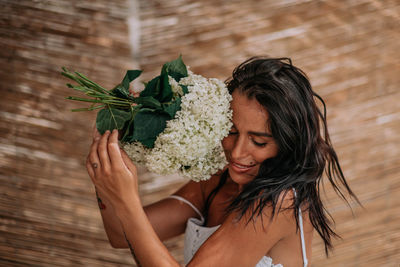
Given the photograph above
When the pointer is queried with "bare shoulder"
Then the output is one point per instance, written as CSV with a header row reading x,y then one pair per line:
x,y
259,233
286,201
197,192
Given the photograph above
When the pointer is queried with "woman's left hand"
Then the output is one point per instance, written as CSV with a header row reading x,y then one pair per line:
x,y
111,170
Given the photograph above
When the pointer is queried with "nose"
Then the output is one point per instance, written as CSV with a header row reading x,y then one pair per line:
x,y
239,149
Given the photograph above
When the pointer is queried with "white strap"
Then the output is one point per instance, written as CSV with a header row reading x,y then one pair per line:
x,y
190,204
303,244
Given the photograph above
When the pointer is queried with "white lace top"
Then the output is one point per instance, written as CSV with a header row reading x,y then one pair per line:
x,y
196,234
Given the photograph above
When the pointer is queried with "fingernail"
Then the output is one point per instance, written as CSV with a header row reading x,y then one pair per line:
x,y
97,138
107,132
114,130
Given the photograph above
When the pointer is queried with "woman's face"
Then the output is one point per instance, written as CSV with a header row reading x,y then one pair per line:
x,y
249,142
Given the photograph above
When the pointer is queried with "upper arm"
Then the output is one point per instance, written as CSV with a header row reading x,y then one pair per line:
x,y
169,216
258,235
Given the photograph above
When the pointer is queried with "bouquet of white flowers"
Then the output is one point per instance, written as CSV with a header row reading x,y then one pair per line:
x,y
176,124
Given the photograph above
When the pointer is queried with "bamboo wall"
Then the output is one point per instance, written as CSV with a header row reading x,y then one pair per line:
x,y
349,49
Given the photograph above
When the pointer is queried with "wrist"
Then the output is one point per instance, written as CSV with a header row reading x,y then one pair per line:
x,y
102,206
128,208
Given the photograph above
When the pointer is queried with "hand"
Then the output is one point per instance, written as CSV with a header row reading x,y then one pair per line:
x,y
111,170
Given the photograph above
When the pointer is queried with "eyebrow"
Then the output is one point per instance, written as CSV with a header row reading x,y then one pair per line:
x,y
261,134
257,133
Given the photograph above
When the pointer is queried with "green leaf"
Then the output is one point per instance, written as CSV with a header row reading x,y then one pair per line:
x,y
184,89
128,129
128,132
129,77
111,118
122,89
159,87
152,88
148,125
172,108
165,94
176,69
148,102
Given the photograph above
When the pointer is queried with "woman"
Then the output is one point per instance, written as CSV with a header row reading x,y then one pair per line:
x,y
265,205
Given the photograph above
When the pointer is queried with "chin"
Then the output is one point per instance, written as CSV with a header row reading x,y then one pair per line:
x,y
240,178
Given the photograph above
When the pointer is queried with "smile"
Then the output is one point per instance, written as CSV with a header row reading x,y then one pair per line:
x,y
240,168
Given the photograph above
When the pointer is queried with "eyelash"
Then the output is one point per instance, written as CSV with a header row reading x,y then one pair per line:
x,y
259,144
254,142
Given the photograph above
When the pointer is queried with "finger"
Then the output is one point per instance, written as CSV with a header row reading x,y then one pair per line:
x,y
94,157
114,150
128,162
102,151
95,132
90,170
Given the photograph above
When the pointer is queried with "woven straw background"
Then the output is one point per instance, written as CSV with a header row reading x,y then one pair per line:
x,y
349,49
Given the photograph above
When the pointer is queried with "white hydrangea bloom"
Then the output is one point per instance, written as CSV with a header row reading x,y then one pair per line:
x,y
191,142
175,87
136,152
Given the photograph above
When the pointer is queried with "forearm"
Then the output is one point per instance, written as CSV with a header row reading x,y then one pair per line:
x,y
146,247
111,222
115,175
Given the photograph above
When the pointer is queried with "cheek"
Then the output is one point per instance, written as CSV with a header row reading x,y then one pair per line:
x,y
226,143
271,152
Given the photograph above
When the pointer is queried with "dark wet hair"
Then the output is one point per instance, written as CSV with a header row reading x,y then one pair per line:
x,y
305,151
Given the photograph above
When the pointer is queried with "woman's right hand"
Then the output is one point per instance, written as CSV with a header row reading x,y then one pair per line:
x,y
176,212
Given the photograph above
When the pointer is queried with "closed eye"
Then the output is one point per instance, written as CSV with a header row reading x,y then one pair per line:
x,y
259,144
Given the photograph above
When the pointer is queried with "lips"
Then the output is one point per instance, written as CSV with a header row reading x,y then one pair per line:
x,y
237,167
